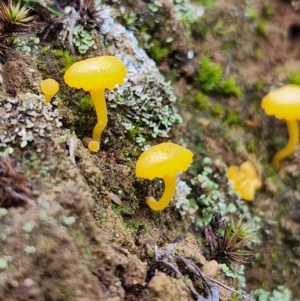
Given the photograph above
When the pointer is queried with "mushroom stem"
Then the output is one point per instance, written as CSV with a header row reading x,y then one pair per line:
x,y
98,98
48,98
293,131
170,185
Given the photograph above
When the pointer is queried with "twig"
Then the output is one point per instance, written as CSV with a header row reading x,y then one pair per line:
x,y
203,277
228,288
190,287
73,22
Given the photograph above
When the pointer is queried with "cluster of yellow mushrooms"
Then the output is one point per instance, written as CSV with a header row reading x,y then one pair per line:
x,y
167,159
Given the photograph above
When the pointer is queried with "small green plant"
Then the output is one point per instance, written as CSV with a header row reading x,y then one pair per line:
x,y
258,52
293,77
251,13
268,10
230,87
209,74
207,3
259,84
217,110
157,51
262,28
86,102
66,59
244,231
202,101
252,145
15,13
281,293
232,118
210,78
41,65
129,18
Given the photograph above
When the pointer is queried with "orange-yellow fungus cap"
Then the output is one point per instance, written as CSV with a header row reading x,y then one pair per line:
x,y
245,180
49,86
284,102
101,72
164,159
94,146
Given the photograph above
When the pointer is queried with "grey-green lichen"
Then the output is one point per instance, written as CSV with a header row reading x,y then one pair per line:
x,y
28,118
147,99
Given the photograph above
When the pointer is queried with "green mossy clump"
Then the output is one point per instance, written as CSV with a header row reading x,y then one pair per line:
x,y
202,101
66,59
157,51
230,87
217,110
209,74
293,77
233,118
210,78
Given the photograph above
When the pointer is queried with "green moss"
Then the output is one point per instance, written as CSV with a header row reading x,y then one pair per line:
x,y
235,298
45,49
134,132
252,145
207,3
232,118
202,101
129,17
259,84
217,110
230,87
209,74
258,52
121,211
86,102
157,51
133,226
268,10
251,13
41,65
210,78
262,28
294,77
171,76
66,59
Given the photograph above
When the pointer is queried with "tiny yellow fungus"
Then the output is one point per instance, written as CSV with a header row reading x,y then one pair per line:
x,y
95,75
49,87
284,103
245,180
93,146
164,161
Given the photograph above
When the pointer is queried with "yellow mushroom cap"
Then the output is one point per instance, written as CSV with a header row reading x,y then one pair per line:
x,y
245,179
283,103
94,146
164,159
49,86
101,72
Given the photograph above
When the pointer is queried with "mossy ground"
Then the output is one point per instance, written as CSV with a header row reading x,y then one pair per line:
x,y
219,124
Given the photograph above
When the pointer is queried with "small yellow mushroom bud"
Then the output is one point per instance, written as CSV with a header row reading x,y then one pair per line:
x,y
49,87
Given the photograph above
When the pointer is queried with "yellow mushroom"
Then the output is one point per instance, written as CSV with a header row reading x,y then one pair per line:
x,y
245,180
95,75
49,87
284,103
164,161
